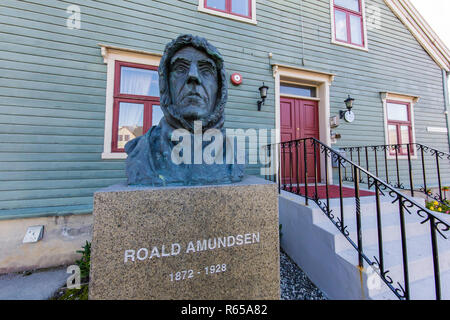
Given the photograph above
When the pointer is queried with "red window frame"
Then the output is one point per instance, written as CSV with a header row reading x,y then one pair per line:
x,y
147,101
228,9
349,13
398,124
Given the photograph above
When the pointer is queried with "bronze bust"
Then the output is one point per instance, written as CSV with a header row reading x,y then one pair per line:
x,y
193,90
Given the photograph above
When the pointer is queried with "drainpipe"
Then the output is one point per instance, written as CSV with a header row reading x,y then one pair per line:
x,y
445,76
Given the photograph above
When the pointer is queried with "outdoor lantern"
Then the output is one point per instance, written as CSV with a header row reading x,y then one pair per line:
x,y
349,103
263,94
348,115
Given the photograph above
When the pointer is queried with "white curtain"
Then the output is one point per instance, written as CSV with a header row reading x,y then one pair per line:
x,y
131,114
139,81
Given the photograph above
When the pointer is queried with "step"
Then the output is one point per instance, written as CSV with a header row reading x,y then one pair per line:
x,y
423,289
367,207
419,257
367,204
391,230
418,242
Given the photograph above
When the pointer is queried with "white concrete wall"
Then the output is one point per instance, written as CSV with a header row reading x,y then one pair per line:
x,y
63,236
313,249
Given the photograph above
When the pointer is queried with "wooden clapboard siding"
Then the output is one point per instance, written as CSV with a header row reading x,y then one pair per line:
x,y
53,84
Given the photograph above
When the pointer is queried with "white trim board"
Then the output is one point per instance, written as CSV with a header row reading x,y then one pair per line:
x,y
437,130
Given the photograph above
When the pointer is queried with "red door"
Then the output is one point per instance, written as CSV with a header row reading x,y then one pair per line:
x,y
299,119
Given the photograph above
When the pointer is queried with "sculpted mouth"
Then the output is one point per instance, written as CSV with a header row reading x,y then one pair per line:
x,y
195,97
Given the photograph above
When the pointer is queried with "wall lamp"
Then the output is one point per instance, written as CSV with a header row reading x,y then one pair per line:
x,y
263,94
348,114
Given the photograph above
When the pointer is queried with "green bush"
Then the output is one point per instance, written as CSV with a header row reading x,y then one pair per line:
x,y
85,262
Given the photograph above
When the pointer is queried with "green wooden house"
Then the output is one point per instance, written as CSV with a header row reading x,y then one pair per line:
x,y
78,78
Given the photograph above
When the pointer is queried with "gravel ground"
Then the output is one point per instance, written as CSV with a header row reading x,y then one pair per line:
x,y
294,284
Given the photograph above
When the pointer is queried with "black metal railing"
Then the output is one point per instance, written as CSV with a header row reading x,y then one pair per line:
x,y
304,168
414,167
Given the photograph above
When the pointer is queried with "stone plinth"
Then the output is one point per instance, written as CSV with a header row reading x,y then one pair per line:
x,y
197,242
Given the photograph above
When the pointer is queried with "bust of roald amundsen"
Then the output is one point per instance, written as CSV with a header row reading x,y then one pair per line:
x,y
193,94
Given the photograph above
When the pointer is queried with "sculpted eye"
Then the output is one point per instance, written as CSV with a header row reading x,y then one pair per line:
x,y
180,68
207,69
207,72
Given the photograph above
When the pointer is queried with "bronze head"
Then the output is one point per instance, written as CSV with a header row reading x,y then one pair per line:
x,y
193,87
192,83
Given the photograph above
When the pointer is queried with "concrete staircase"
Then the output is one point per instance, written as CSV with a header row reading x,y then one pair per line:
x,y
345,258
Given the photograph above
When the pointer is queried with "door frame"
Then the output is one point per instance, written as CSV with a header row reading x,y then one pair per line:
x,y
322,81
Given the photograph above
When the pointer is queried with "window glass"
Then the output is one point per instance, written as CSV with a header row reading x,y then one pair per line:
x,y
131,122
157,115
397,112
392,131
216,4
404,132
341,25
356,29
240,7
303,91
348,4
137,81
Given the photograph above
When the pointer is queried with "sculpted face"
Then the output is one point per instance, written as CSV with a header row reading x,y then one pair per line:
x,y
193,83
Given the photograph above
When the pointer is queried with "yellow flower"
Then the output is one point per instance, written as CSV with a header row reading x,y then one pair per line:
x,y
439,209
435,203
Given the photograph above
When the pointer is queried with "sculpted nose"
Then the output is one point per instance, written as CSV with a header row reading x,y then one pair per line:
x,y
193,74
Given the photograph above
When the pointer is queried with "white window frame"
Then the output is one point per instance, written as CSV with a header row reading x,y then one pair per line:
x,y
110,55
387,96
348,45
252,20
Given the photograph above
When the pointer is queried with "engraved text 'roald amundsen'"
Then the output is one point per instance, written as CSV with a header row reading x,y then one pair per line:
x,y
192,246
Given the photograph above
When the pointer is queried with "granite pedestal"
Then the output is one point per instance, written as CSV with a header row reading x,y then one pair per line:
x,y
198,242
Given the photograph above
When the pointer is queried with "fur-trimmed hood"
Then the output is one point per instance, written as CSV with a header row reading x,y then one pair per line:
x,y
216,118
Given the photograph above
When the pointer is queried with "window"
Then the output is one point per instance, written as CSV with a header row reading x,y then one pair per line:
x,y
242,10
132,97
238,7
399,122
348,23
136,102
303,91
399,125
